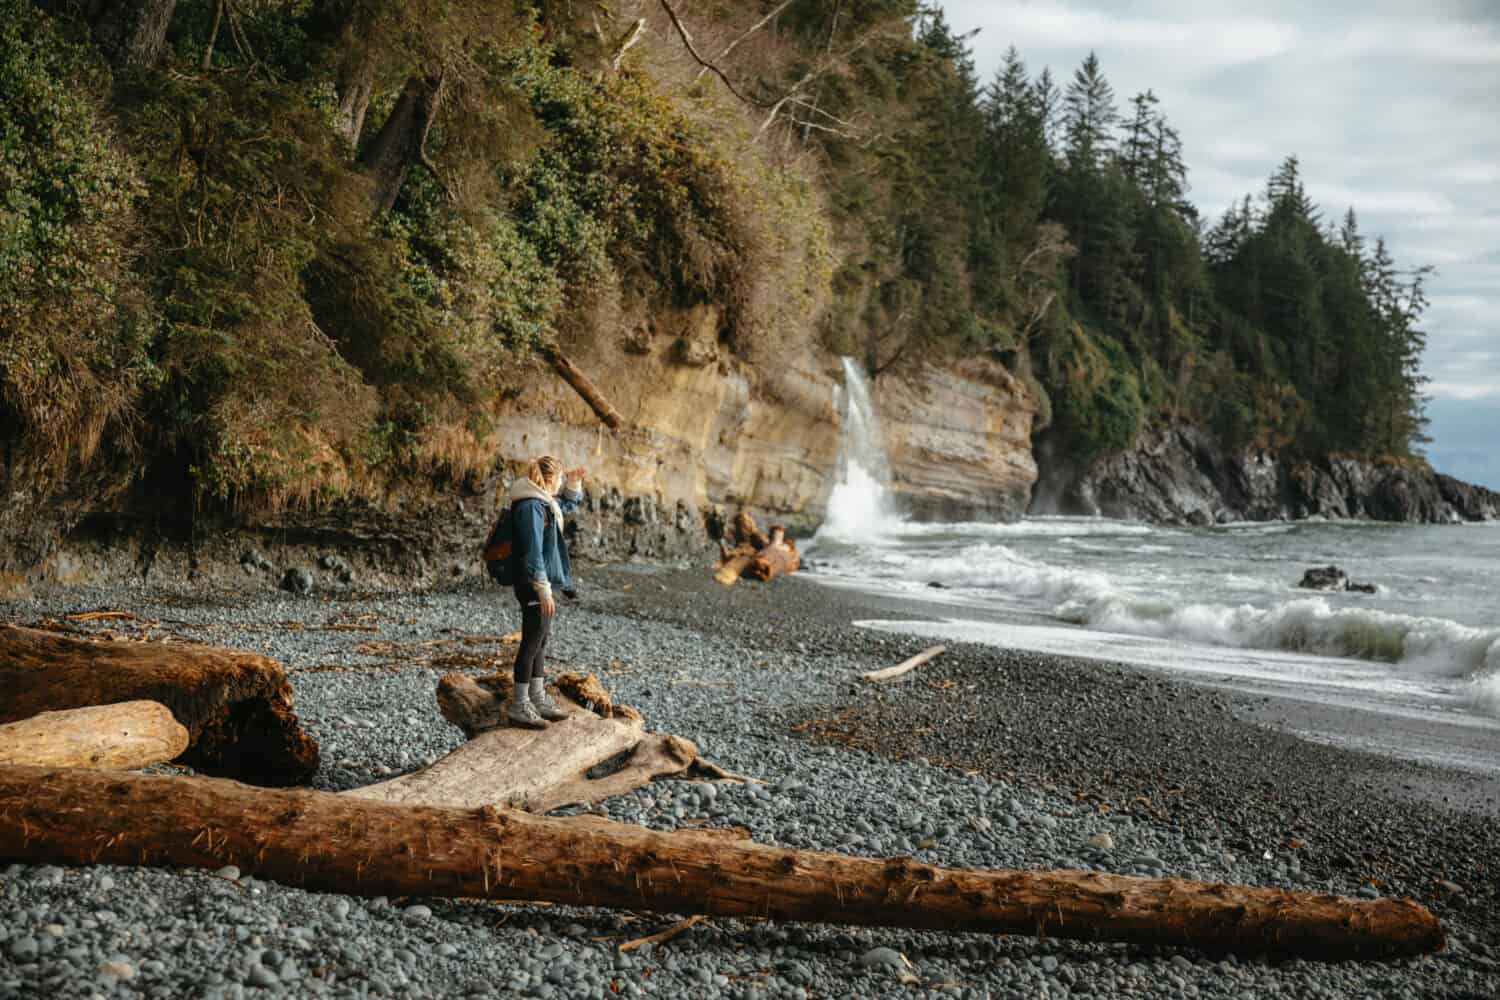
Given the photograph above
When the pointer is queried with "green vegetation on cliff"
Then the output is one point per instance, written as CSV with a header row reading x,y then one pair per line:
x,y
272,251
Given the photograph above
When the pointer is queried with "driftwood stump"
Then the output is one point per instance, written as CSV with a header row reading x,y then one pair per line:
x,y
349,844
602,750
755,555
235,705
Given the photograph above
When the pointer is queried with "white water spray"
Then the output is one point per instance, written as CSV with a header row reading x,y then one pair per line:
x,y
860,505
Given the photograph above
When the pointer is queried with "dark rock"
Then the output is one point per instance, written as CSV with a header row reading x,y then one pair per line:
x,y
1324,578
338,566
1181,475
297,580
1332,578
639,510
254,562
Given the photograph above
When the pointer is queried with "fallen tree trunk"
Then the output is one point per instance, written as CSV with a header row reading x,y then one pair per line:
x,y
756,555
584,386
778,558
541,770
128,735
732,566
235,705
340,843
748,533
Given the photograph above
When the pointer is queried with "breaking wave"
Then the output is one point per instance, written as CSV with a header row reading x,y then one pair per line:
x,y
1314,625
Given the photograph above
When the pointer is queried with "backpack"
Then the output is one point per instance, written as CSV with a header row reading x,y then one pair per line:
x,y
499,550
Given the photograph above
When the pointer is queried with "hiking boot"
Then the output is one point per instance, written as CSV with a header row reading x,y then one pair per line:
x,y
543,703
520,713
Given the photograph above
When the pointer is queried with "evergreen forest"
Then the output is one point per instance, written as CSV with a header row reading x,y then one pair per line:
x,y
276,251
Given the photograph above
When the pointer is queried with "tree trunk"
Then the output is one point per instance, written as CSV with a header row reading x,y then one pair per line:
x,y
747,532
356,79
346,844
540,770
133,33
124,736
777,558
236,706
584,386
756,556
402,140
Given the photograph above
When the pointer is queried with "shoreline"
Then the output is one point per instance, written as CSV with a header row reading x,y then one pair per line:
x,y
1010,741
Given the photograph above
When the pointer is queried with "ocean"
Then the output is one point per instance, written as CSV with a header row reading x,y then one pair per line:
x,y
1218,605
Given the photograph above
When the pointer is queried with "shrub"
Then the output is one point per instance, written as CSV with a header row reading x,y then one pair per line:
x,y
73,327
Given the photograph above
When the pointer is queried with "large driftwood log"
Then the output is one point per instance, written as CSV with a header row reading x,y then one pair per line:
x,y
235,705
352,845
778,558
602,750
755,555
127,735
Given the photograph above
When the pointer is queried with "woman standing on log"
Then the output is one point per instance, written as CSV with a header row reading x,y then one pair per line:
x,y
541,558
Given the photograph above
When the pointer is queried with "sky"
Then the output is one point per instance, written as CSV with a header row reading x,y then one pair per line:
x,y
1390,106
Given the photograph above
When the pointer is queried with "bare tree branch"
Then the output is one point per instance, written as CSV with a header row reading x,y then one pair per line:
x,y
750,31
688,41
626,41
213,35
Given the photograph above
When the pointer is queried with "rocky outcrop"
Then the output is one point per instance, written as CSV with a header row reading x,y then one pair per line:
x,y
1181,475
958,440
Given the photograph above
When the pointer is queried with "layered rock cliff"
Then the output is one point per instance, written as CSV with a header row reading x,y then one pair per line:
x,y
959,441
704,435
1181,475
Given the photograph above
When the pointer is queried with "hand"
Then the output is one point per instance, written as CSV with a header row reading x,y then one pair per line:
x,y
549,605
575,478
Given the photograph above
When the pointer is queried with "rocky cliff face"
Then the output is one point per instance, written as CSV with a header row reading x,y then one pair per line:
x,y
1182,476
959,441
704,436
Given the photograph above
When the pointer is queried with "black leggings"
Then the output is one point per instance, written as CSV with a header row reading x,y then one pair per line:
x,y
535,628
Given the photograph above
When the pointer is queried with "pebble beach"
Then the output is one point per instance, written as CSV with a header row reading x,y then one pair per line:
x,y
983,757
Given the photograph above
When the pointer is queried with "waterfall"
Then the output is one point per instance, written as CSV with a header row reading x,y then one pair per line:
x,y
860,505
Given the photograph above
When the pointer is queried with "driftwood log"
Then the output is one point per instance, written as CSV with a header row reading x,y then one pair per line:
x,y
777,558
235,705
755,554
348,844
126,735
905,666
603,750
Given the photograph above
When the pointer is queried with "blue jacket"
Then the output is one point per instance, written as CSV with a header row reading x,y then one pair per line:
x,y
539,543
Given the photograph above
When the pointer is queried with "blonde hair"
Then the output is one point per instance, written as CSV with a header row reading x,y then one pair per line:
x,y
544,471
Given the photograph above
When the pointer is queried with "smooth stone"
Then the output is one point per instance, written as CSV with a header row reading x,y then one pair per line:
x,y
117,969
229,872
881,956
1102,841
259,975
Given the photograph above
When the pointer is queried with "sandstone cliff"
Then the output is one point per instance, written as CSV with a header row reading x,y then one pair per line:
x,y
704,436
959,441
